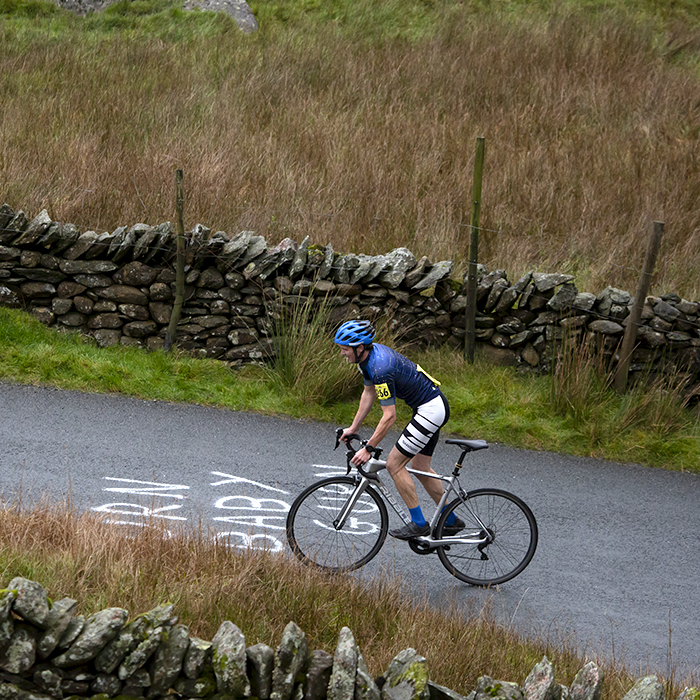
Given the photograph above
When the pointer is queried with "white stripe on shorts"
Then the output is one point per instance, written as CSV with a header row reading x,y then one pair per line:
x,y
427,421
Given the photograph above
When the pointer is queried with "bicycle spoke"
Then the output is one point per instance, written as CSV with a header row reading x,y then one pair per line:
x,y
511,533
313,536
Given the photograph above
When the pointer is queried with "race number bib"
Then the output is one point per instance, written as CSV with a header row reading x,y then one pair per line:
x,y
383,392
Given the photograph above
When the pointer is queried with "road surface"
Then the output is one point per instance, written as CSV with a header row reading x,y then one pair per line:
x,y
616,569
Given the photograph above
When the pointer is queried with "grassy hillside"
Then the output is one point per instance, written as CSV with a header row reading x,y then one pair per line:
x,y
354,121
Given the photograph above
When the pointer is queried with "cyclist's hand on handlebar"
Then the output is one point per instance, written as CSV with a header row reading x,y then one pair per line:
x,y
361,457
347,434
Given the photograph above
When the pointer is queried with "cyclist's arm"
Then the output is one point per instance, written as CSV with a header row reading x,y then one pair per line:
x,y
387,420
369,394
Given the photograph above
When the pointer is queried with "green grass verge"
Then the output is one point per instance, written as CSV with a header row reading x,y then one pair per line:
x,y
495,403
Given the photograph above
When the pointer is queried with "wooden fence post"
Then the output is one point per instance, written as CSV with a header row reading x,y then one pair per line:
x,y
623,365
171,333
470,311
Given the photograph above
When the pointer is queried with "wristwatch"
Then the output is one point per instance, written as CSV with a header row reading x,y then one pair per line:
x,y
371,449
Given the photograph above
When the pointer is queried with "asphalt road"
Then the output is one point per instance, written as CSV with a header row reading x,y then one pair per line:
x,y
616,570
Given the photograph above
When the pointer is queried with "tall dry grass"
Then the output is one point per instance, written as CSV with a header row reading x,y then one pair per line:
x,y
581,389
590,117
99,566
303,363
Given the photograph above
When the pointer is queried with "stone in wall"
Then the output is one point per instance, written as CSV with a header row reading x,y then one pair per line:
x,y
647,688
487,687
587,684
57,621
229,661
291,661
261,664
540,684
30,601
98,630
406,678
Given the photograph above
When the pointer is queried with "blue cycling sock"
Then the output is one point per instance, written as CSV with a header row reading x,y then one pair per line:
x,y
450,518
417,516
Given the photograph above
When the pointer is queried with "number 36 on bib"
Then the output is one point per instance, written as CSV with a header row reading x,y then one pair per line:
x,y
383,392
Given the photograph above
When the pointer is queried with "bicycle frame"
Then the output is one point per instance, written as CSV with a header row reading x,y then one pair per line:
x,y
492,533
369,473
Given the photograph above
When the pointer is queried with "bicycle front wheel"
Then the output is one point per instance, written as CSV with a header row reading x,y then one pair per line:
x,y
508,531
315,539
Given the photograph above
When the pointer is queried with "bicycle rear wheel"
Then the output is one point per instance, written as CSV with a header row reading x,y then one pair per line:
x,y
505,523
315,540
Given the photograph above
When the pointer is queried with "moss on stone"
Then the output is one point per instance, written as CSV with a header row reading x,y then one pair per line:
x,y
416,674
219,661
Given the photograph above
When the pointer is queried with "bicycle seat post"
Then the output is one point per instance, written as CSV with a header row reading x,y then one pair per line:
x,y
458,464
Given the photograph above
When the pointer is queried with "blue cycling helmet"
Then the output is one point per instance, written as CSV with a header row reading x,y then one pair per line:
x,y
355,333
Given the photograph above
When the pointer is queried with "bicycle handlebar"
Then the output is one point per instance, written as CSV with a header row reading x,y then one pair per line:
x,y
347,441
351,451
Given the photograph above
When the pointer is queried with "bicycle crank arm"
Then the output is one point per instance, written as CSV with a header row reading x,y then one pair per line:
x,y
422,545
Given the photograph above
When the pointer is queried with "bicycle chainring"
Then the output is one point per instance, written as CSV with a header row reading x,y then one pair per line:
x,y
420,547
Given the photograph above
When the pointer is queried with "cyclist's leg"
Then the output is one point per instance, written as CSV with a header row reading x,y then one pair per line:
x,y
417,443
434,487
420,437
396,466
421,462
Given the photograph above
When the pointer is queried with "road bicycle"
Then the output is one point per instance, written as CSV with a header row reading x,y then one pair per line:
x,y
340,523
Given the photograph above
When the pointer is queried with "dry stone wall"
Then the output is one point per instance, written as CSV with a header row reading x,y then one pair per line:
x,y
48,651
118,287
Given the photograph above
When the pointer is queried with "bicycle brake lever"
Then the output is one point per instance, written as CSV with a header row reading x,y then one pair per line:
x,y
338,435
351,452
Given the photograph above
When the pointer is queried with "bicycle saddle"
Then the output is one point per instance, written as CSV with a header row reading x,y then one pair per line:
x,y
469,445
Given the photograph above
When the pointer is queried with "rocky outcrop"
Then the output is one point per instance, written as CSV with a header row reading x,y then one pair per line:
x,y
107,656
239,10
119,288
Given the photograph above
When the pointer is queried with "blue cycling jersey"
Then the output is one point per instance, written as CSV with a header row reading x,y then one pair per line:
x,y
394,375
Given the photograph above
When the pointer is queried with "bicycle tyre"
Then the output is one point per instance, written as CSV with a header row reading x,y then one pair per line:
x,y
313,537
513,531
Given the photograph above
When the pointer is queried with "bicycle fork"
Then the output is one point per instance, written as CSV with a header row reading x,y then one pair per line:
x,y
355,496
339,522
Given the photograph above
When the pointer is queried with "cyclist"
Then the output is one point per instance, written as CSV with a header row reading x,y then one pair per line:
x,y
388,375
